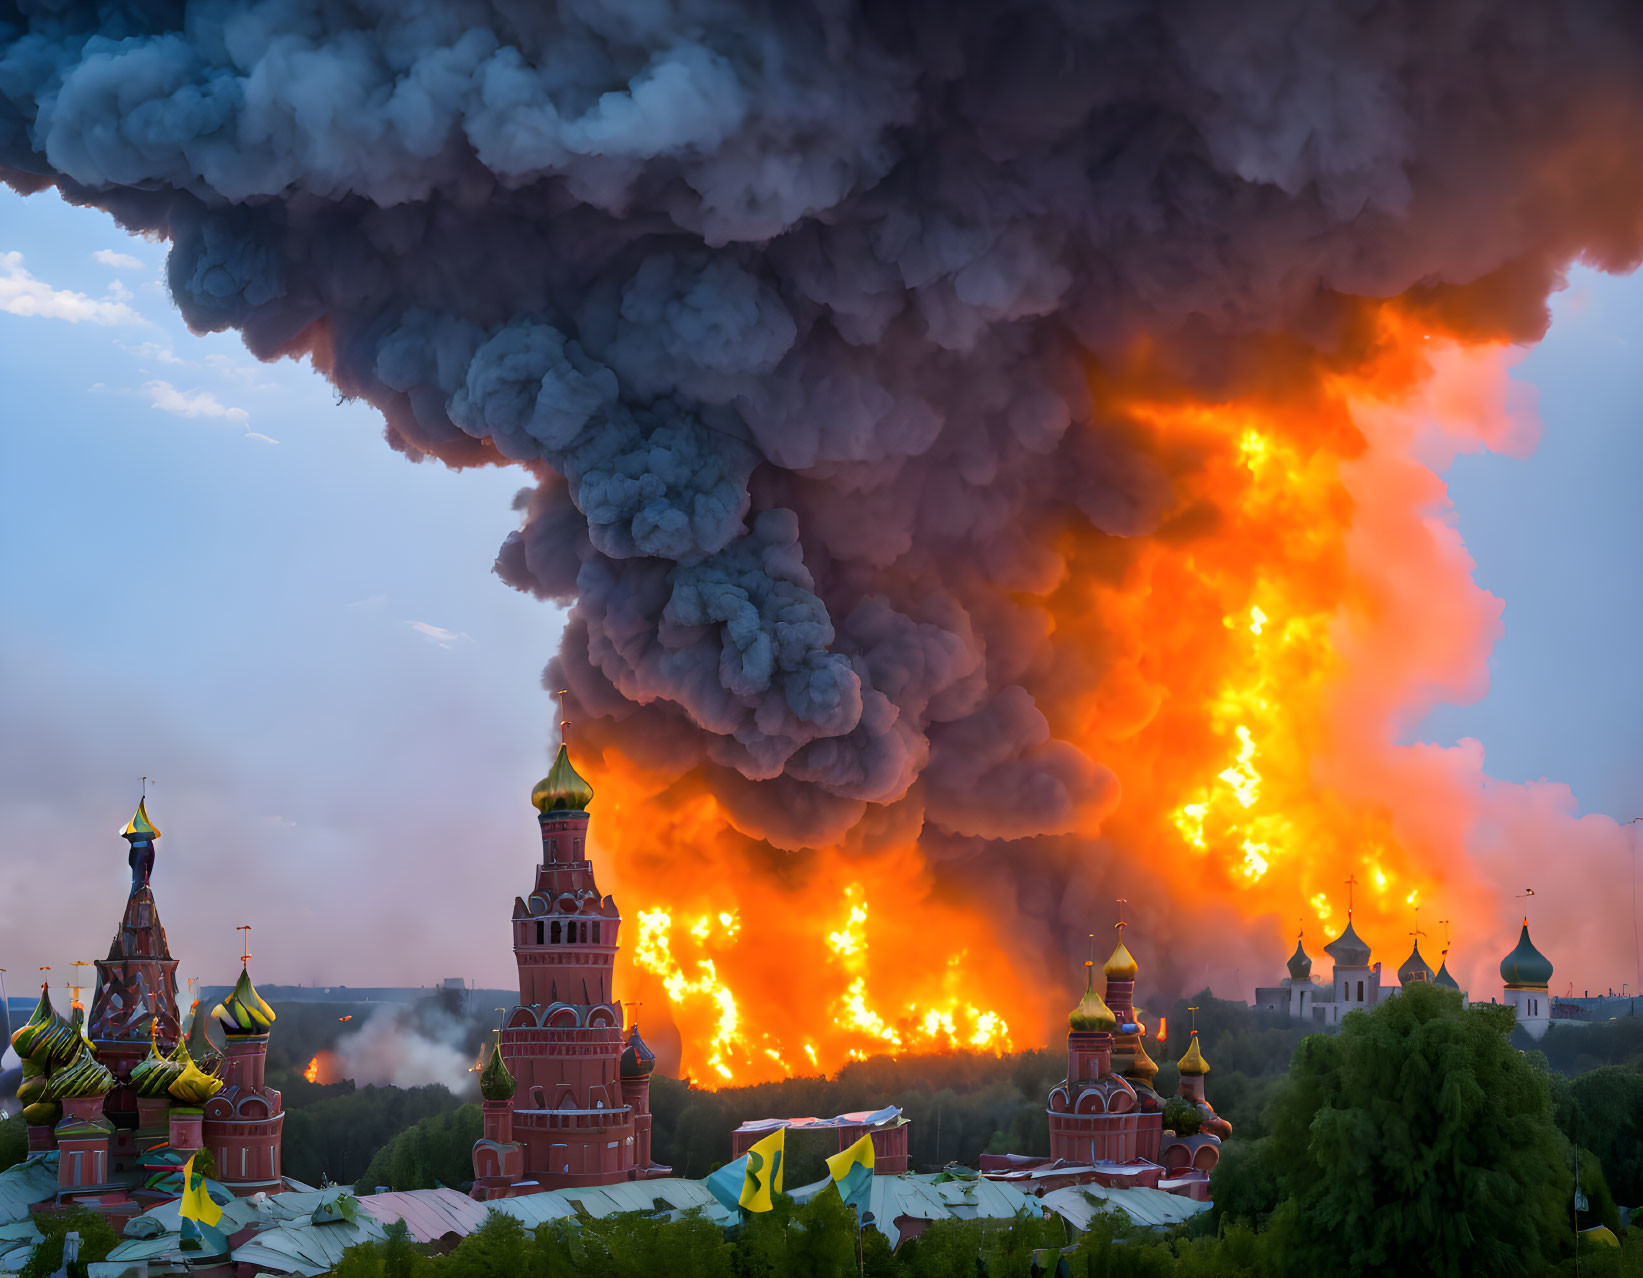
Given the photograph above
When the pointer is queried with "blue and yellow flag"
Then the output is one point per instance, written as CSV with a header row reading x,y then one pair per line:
x,y
196,1204
852,1172
764,1172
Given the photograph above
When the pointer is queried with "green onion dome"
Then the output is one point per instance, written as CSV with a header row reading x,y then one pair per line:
x,y
152,1076
46,1038
1443,978
85,1075
1092,1015
243,1011
191,1086
33,1086
495,1082
563,789
1526,966
42,1113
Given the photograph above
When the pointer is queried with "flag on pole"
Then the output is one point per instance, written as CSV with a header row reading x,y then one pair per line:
x,y
852,1172
196,1204
764,1172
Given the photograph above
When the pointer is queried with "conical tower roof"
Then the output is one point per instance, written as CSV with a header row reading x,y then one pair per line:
x,y
564,789
1526,966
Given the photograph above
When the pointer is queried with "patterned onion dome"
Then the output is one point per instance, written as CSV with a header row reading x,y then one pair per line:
x,y
85,1075
46,1038
243,1011
1526,965
1300,963
33,1086
637,1059
563,789
151,1077
1193,1061
191,1086
1092,1015
1121,965
1415,968
1348,949
496,1083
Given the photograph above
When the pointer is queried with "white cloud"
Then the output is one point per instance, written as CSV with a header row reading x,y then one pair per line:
x,y
260,438
438,635
192,403
22,294
119,261
157,353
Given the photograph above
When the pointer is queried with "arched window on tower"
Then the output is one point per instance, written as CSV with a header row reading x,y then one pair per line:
x,y
1360,991
539,931
554,932
584,934
596,931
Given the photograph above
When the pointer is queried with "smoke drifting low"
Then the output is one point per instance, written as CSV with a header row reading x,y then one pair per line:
x,y
872,364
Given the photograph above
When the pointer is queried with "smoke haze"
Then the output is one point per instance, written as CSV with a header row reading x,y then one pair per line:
x,y
915,402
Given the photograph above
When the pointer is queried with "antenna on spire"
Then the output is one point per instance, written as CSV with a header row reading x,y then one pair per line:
x,y
564,719
1351,883
245,943
1090,962
633,1005
1445,923
145,787
1121,924
1523,896
1417,932
1194,1012
1300,928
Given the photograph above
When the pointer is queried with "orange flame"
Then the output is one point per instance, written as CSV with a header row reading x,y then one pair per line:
x,y
312,1072
1246,671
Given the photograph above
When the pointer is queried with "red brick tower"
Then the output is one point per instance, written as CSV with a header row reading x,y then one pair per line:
x,y
136,999
243,1121
571,1115
1094,1113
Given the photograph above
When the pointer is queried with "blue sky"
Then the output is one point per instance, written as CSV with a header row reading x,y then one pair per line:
x,y
214,574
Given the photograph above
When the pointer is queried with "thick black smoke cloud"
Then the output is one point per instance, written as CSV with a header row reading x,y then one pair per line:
x,y
790,307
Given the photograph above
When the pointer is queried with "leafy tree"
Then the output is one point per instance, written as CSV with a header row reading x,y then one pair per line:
x,y
1181,1116
1603,1111
97,1239
396,1256
1244,1185
338,1136
437,1150
14,1141
1418,1141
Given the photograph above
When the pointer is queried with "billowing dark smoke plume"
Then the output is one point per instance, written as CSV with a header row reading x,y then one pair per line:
x,y
792,309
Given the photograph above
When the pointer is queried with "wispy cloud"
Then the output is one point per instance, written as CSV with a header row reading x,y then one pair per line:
x,y
260,438
192,403
438,635
119,261
156,352
22,294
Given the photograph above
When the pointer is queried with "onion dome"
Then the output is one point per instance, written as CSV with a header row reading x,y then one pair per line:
x,y
151,1077
85,1075
42,1113
1414,968
1193,1062
191,1086
1348,949
33,1086
637,1059
243,1011
1092,1015
1300,963
496,1083
563,789
140,829
1137,1066
46,1038
1121,966
1526,966
1443,978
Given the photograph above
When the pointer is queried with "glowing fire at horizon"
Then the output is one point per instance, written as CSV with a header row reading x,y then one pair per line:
x,y
1249,703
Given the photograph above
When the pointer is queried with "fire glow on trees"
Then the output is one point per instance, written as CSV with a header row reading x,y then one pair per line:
x,y
994,459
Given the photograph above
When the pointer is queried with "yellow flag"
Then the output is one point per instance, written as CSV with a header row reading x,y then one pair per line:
x,y
839,1165
764,1172
196,1204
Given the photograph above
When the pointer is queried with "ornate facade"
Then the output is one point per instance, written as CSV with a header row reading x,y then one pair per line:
x,y
579,1107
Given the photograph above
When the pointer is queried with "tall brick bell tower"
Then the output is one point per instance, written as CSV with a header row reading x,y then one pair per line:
x,y
572,1119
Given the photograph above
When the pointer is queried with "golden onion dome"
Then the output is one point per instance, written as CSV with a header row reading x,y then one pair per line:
x,y
85,1075
243,1011
140,829
1092,1015
1138,1067
563,790
1121,966
1193,1061
191,1086
496,1081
